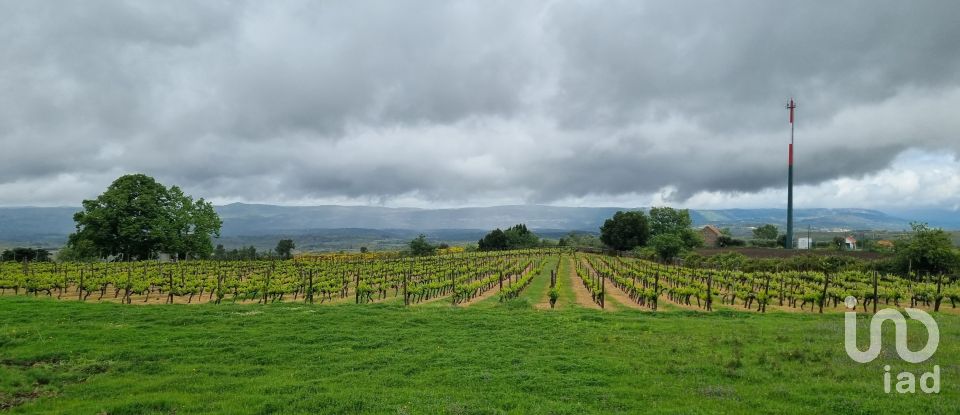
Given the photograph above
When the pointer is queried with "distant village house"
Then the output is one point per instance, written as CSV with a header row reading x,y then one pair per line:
x,y
710,235
850,242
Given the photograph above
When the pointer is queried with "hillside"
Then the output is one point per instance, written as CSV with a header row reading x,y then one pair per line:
x,y
339,225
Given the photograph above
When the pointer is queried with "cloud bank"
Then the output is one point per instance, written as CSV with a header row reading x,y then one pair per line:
x,y
451,103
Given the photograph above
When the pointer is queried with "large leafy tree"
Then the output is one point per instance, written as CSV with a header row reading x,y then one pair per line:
x,y
285,248
667,220
519,237
670,221
188,225
927,251
515,237
766,232
137,217
667,245
493,241
625,230
420,247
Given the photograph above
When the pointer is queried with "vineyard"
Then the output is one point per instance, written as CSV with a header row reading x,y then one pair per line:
x,y
648,283
461,278
333,278
534,331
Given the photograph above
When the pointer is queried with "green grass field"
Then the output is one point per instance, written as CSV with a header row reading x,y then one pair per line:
x,y
491,357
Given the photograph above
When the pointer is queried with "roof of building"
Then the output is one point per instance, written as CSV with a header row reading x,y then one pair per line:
x,y
713,229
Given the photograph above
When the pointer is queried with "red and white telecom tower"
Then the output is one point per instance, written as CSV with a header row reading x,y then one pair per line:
x,y
789,242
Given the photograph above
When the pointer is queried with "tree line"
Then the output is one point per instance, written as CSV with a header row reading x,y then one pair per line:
x,y
137,218
26,254
664,232
283,251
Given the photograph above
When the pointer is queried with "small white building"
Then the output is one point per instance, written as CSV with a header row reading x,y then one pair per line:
x,y
804,243
851,243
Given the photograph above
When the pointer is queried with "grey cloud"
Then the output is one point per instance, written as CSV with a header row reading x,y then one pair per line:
x,y
467,101
724,61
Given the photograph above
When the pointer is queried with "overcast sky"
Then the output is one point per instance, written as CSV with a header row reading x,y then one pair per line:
x,y
448,103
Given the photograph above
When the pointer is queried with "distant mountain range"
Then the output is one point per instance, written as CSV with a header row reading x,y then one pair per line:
x,y
49,225
246,219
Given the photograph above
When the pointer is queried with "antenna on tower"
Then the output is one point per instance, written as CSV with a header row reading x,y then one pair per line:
x,y
792,106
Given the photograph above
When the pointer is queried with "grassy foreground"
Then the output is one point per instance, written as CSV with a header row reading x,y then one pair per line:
x,y
85,358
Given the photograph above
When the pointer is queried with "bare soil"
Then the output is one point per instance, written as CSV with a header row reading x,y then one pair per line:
x,y
492,291
584,298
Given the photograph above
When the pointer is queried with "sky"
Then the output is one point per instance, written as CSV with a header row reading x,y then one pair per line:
x,y
477,103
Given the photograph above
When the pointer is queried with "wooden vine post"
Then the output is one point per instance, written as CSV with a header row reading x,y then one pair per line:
x,y
65,284
709,302
603,291
356,289
219,285
126,293
656,289
408,275
936,300
170,292
266,287
766,295
80,287
823,295
406,297
309,286
781,290
875,298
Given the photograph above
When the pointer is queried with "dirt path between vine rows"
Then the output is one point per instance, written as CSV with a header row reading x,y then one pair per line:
x,y
155,298
622,298
618,295
428,301
449,300
544,303
492,291
580,291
